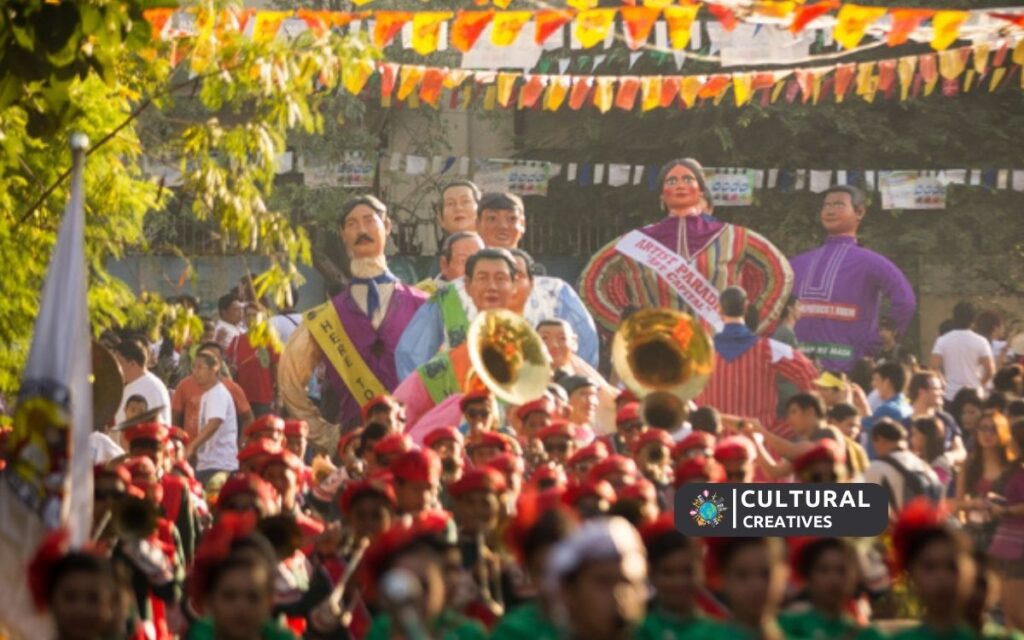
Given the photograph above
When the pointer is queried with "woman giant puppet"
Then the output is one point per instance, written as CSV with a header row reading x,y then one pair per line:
x,y
722,254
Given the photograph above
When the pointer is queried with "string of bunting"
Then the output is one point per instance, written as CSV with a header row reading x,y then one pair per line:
x,y
958,70
591,25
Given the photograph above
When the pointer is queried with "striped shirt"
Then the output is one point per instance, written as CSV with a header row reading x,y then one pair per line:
x,y
745,386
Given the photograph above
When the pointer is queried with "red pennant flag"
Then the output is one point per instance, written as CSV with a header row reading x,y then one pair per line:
x,y
804,15
531,91
467,28
629,87
548,21
388,24
762,80
724,15
430,88
638,21
388,75
1015,18
928,66
580,90
844,76
886,75
805,78
669,90
1000,57
157,19
904,21
715,85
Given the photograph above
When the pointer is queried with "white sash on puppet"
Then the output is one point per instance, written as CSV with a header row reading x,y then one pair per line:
x,y
694,289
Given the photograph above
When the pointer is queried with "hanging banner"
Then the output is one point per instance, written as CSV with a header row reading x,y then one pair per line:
x,y
356,170
522,178
730,187
911,190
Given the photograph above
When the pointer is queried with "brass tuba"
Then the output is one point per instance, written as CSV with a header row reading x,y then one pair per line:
x,y
133,518
508,357
666,358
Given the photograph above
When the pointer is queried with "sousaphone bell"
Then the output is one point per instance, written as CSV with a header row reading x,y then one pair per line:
x,y
508,357
666,358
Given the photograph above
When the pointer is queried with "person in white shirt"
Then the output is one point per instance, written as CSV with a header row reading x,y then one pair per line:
x,y
139,381
896,465
216,444
229,325
288,319
963,356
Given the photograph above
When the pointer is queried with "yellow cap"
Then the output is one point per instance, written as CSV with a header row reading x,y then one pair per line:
x,y
829,381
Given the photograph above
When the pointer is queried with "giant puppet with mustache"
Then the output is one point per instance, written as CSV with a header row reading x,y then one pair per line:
x,y
354,333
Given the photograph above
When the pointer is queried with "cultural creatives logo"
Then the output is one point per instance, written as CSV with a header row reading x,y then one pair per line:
x,y
708,509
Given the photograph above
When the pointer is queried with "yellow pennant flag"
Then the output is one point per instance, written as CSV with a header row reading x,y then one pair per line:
x,y
997,77
865,72
490,98
507,25
819,76
952,63
360,3
853,21
582,5
691,87
679,20
455,77
267,24
742,87
905,70
981,51
969,79
650,88
408,79
657,4
558,89
946,28
592,26
604,90
1018,53
426,30
354,76
506,82
501,4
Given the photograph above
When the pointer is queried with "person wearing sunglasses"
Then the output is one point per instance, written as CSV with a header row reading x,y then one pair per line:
x,y
558,441
629,426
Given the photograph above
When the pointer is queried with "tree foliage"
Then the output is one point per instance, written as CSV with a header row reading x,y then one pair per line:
x,y
244,97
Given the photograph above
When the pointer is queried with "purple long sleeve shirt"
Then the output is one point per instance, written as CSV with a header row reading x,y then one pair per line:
x,y
840,287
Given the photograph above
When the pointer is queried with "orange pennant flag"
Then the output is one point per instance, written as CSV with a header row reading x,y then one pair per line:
x,y
804,15
430,89
928,64
1014,18
690,89
904,21
558,89
467,28
388,24
426,30
531,91
629,87
952,62
548,21
714,86
763,80
774,8
592,26
355,75
742,84
853,21
905,70
670,86
581,86
843,78
638,21
724,15
604,88
157,19
267,24
679,20
946,28
651,93
582,5
506,82
408,79
320,21
507,25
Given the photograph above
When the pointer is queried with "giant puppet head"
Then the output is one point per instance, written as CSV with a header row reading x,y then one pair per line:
x,y
365,227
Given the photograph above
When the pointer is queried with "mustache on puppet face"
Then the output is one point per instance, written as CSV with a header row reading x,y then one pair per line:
x,y
364,238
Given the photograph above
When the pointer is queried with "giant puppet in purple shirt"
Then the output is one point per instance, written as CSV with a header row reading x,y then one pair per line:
x,y
840,287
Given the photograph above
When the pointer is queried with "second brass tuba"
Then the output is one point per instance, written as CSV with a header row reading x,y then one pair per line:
x,y
508,356
665,357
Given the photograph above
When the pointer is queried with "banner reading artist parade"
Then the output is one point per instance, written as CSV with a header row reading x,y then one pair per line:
x,y
781,509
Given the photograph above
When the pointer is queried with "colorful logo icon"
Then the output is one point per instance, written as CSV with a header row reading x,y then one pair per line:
x,y
708,509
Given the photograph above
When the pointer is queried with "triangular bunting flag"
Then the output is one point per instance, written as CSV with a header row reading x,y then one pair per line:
x,y
946,28
388,24
409,78
691,87
651,93
582,5
981,54
592,26
467,28
629,87
454,78
638,22
928,64
724,15
430,88
804,15
853,21
506,82
742,84
805,78
548,21
904,21
670,86
905,70
426,28
844,76
507,25
952,62
531,91
604,87
388,75
558,89
581,86
267,24
355,75
714,86
679,20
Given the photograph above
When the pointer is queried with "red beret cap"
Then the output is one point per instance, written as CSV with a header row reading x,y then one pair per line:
x,y
653,436
478,479
735,448
557,429
146,431
266,423
540,405
595,449
380,486
826,450
392,444
441,434
296,428
628,413
613,464
417,465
